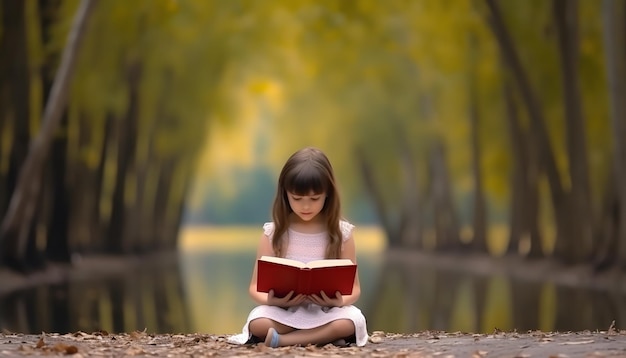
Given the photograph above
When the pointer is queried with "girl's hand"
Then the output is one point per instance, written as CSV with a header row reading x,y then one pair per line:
x,y
324,300
286,301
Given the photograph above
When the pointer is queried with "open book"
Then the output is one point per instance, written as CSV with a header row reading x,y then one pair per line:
x,y
284,275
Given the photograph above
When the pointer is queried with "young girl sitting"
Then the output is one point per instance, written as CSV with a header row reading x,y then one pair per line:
x,y
306,227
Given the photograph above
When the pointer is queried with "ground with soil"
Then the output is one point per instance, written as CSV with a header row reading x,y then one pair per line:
x,y
610,343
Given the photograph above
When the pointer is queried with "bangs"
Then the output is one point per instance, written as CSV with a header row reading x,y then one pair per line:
x,y
305,180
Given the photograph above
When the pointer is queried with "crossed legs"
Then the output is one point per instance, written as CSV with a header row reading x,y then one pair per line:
x,y
277,334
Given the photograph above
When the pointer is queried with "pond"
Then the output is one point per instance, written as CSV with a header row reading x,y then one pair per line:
x,y
205,291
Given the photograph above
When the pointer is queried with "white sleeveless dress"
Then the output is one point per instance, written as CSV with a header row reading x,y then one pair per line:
x,y
305,248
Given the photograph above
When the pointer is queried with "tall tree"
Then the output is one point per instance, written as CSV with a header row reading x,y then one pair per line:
x,y
580,213
18,223
410,225
445,215
127,132
54,212
615,55
14,108
524,202
479,212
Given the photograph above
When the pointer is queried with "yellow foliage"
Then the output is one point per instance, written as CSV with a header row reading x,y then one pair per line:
x,y
267,89
235,84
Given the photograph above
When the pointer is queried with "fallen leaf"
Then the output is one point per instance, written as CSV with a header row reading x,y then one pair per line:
x,y
137,334
64,348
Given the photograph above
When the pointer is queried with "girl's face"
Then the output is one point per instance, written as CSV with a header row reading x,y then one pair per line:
x,y
306,207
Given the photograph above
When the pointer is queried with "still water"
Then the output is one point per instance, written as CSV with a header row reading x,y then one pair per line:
x,y
206,292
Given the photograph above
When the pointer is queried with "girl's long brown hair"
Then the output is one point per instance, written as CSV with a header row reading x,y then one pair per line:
x,y
307,170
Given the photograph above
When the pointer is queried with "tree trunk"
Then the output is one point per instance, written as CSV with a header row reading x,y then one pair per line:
x,y
615,54
84,207
132,212
581,212
55,209
410,228
143,207
13,92
479,224
176,215
391,232
519,168
524,187
86,176
607,226
172,187
57,245
17,223
126,153
48,15
445,217
15,112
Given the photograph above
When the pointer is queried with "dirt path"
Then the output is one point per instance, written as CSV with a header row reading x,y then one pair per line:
x,y
610,343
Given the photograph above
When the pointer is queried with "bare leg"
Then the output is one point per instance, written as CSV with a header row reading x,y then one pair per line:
x,y
259,327
320,335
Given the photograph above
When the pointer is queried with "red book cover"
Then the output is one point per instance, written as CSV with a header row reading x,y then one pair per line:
x,y
285,275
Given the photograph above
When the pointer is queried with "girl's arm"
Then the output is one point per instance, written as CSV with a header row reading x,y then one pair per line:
x,y
349,252
265,249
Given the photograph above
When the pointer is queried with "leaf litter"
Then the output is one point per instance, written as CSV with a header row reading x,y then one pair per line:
x,y
381,344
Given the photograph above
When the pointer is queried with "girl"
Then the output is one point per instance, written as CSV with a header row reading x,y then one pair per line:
x,y
306,227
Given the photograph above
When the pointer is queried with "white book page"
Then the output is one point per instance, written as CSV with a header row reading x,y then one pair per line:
x,y
283,261
330,263
311,264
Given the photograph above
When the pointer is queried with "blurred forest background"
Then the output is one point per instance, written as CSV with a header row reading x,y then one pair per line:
x,y
478,125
